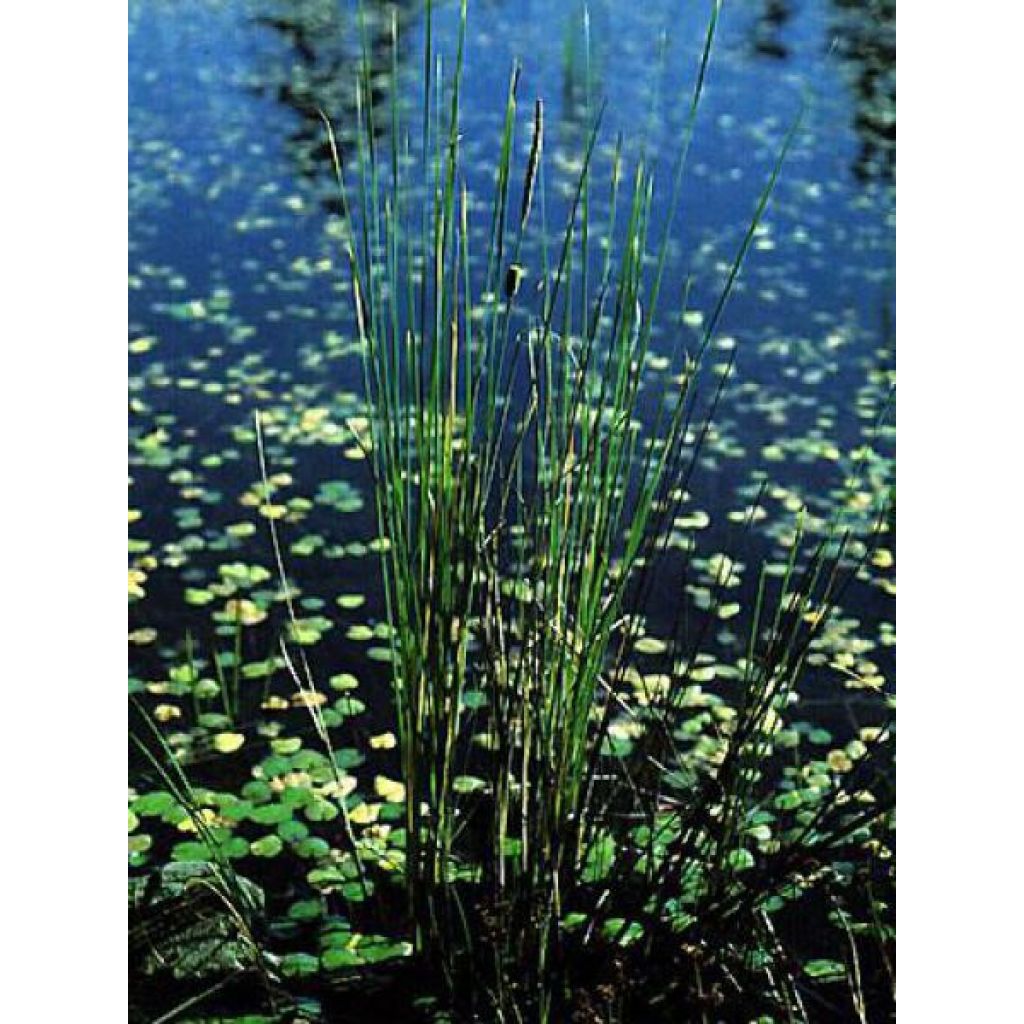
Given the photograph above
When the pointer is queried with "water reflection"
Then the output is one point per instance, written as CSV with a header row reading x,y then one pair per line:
x,y
768,30
322,49
865,33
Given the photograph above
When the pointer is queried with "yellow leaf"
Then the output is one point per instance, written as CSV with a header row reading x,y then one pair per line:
x,y
244,611
649,645
308,699
136,577
341,788
388,789
206,816
227,742
882,558
364,814
313,418
385,741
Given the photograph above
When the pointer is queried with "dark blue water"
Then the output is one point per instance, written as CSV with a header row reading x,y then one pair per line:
x,y
239,293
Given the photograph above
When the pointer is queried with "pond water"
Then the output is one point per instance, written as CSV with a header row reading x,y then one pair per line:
x,y
239,301
238,298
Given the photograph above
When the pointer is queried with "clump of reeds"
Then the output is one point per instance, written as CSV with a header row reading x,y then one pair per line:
x,y
524,495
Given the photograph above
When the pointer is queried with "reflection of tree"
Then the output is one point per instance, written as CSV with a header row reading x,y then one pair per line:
x,y
865,32
768,30
320,70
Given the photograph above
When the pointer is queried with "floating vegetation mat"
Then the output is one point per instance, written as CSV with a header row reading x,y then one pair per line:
x,y
267,809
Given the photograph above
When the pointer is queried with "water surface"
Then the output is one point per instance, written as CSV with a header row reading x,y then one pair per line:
x,y
239,301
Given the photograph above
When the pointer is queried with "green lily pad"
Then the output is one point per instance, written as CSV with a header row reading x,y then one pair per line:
x,y
825,970
305,910
299,965
268,846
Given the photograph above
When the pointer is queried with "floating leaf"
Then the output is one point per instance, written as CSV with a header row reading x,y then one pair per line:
x,y
243,611
468,784
375,949
319,809
618,930
825,970
271,814
268,846
650,645
740,860
139,844
389,790
299,965
335,958
228,742
305,910
364,814
152,804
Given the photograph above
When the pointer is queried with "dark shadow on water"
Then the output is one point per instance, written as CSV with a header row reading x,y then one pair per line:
x,y
862,34
321,49
769,30
865,34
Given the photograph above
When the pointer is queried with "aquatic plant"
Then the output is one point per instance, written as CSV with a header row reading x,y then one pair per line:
x,y
192,920
558,823
638,762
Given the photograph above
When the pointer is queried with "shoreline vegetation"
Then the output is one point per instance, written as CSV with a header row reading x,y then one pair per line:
x,y
588,821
